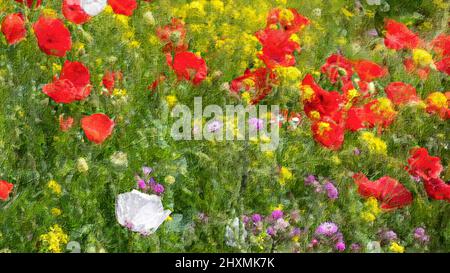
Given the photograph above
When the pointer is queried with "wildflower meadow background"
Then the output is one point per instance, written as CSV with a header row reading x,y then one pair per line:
x,y
362,165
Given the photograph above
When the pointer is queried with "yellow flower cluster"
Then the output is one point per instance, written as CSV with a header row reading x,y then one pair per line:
x,y
438,100
56,212
396,248
54,240
288,76
374,144
54,187
371,210
225,29
285,175
422,57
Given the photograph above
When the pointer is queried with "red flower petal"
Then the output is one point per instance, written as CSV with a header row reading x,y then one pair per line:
x,y
327,103
124,7
437,189
358,118
423,165
79,76
13,27
441,45
73,12
188,66
444,65
338,67
97,127
329,133
61,91
369,71
5,190
398,36
52,36
401,93
293,25
73,84
278,48
391,193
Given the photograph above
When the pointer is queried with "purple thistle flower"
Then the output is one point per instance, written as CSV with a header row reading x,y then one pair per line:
x,y
332,191
141,184
295,232
256,218
388,236
420,235
310,179
340,246
327,229
271,231
356,151
245,219
277,214
158,188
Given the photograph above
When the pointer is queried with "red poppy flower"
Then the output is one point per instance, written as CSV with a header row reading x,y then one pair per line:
x,y
388,191
381,111
188,66
52,36
437,189
444,65
73,12
338,67
278,48
258,82
365,89
289,19
13,27
97,127
110,78
173,35
441,45
124,7
5,190
65,123
329,133
369,71
358,118
422,165
401,93
30,3
72,85
327,103
398,36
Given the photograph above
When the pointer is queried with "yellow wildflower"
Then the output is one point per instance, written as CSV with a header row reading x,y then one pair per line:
x,y
171,100
56,212
374,144
285,175
422,57
54,187
396,248
54,240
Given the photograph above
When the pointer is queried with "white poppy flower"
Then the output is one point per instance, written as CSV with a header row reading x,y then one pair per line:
x,y
140,212
93,7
